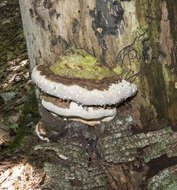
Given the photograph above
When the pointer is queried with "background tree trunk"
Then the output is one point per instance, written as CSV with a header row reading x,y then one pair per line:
x,y
136,38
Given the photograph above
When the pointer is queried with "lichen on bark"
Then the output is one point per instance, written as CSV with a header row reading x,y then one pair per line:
x,y
166,179
121,145
73,169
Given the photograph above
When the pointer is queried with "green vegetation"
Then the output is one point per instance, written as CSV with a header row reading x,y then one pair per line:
x,y
81,65
28,118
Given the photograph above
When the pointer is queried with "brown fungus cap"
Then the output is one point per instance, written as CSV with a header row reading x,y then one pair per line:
x,y
81,78
79,68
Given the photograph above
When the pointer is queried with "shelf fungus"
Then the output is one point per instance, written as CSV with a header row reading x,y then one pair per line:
x,y
79,87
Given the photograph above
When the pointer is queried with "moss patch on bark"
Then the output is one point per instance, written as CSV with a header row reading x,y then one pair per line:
x,y
81,64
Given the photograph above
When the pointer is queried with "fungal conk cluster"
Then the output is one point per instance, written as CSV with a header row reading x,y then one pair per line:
x,y
79,87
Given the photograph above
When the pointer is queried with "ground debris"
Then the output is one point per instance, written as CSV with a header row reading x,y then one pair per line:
x,y
20,175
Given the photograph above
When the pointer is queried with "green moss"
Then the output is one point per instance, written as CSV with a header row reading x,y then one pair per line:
x,y
118,70
172,15
155,76
141,10
81,65
148,14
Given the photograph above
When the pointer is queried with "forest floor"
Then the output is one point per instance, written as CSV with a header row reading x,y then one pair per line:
x,y
17,169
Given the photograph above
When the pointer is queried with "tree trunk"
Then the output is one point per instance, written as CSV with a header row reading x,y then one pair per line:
x,y
137,39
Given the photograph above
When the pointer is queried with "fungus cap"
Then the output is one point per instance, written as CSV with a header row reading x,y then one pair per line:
x,y
72,109
79,77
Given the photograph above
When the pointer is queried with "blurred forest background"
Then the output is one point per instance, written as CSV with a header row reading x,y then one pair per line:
x,y
17,105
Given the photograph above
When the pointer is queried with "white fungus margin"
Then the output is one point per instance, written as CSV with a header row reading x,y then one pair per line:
x,y
75,110
115,94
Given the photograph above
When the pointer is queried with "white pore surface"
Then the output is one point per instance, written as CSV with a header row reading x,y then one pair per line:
x,y
115,94
76,110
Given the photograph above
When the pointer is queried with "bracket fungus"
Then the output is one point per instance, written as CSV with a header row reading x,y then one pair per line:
x,y
78,86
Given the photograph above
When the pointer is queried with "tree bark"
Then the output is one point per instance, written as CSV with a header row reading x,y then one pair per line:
x,y
137,39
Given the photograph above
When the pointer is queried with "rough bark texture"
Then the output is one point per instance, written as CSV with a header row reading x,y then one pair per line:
x,y
136,38
108,156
